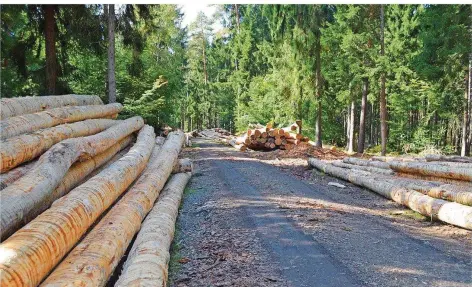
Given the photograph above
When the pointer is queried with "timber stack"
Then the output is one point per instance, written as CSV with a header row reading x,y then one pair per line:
x,y
75,188
439,187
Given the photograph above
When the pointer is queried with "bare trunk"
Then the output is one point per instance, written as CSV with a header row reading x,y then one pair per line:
x,y
32,122
451,158
23,148
318,131
9,177
111,54
429,169
383,100
126,217
352,126
148,260
57,230
11,107
37,185
50,36
183,165
361,141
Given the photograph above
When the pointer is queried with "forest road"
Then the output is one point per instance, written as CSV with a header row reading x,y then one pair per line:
x,y
250,222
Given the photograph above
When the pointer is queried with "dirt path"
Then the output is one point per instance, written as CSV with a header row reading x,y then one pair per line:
x,y
249,222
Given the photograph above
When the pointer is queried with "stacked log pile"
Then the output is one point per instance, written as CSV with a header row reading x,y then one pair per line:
x,y
265,138
64,164
439,187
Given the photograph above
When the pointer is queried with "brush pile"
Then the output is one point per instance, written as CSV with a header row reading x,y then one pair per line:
x,y
438,187
76,182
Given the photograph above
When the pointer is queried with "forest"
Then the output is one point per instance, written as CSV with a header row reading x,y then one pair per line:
x,y
369,78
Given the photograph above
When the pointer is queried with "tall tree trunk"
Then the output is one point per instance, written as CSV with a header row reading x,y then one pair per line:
x,y
361,142
352,126
465,123
383,100
111,54
318,132
236,8
50,35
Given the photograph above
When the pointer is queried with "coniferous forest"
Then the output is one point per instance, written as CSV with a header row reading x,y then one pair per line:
x,y
375,78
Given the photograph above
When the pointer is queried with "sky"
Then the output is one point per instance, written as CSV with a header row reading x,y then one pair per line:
x,y
191,10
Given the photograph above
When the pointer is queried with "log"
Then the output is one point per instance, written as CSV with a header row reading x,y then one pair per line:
x,y
449,212
429,169
34,187
148,260
23,148
363,162
12,107
104,246
9,177
183,165
32,122
363,167
75,176
449,158
392,158
33,251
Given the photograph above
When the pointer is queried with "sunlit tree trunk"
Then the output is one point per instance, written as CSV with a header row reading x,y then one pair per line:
x,y
383,100
352,126
318,131
111,54
360,144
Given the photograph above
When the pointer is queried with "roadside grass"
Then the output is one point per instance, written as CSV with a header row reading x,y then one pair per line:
x,y
410,214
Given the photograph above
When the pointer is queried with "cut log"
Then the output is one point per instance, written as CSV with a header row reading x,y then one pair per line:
x,y
29,191
9,177
450,158
75,176
183,165
430,169
12,107
33,251
449,212
32,122
363,167
23,148
104,246
392,158
363,162
148,260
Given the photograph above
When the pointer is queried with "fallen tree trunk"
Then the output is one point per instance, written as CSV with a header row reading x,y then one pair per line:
x,y
362,167
104,246
449,158
449,212
75,176
392,158
29,191
13,175
33,251
32,122
363,162
183,165
12,107
148,259
23,148
428,169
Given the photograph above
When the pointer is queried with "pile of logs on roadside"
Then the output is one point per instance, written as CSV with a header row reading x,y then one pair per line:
x,y
438,187
75,188
268,138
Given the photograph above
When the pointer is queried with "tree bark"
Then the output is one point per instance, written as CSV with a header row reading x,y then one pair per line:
x,y
449,212
12,107
32,252
363,162
318,126
104,246
436,170
451,158
383,99
361,141
352,126
9,177
465,124
50,36
111,54
363,167
183,165
37,185
32,122
148,259
23,148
